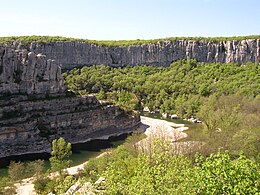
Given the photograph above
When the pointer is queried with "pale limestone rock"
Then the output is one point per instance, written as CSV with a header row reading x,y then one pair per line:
x,y
77,119
25,72
162,53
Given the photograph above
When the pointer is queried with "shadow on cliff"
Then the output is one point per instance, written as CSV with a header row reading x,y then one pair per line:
x,y
143,127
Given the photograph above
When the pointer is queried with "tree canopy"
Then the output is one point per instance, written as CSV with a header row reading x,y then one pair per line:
x,y
61,150
116,43
180,88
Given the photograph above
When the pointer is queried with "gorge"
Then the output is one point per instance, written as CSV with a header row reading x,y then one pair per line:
x,y
39,104
36,108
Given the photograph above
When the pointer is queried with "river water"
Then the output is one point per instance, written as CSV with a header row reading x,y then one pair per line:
x,y
81,153
84,151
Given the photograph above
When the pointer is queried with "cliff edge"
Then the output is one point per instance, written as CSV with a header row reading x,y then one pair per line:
x,y
35,107
23,71
72,54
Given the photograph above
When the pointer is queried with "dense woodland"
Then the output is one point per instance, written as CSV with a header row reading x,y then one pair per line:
x,y
115,43
226,97
181,88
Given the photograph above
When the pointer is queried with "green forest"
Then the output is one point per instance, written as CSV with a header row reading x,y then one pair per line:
x,y
116,43
226,97
225,160
223,96
181,88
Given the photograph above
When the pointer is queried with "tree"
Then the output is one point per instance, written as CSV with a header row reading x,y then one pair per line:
x,y
162,172
6,186
220,174
16,170
61,150
37,166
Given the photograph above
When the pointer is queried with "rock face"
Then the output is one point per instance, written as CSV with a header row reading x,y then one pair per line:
x,y
29,125
35,109
163,53
25,72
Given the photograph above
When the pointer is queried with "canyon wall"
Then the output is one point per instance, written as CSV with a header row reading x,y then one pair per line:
x,y
72,54
22,71
29,125
35,107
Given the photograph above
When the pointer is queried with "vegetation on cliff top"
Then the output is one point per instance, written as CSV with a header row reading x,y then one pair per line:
x,y
115,43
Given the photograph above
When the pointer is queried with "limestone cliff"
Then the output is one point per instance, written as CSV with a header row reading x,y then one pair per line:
x,y
74,54
29,125
35,108
22,71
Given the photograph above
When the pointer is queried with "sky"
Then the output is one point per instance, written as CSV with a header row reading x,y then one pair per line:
x,y
129,19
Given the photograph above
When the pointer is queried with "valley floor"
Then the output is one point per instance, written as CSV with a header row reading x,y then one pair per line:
x,y
151,127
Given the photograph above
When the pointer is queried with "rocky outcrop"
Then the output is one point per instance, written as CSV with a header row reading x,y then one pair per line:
x,y
35,108
29,125
23,71
163,53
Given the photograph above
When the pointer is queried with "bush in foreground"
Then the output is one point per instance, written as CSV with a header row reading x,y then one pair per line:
x,y
164,173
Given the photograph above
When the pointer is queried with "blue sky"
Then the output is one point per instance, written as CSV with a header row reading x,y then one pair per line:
x,y
129,19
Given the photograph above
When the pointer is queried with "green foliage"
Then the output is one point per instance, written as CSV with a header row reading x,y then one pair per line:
x,y
57,185
161,172
128,101
61,150
6,186
230,122
20,170
37,166
40,184
16,170
96,166
219,174
247,140
178,89
222,114
116,43
224,96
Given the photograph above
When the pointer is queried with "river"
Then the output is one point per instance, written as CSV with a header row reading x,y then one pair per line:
x,y
84,151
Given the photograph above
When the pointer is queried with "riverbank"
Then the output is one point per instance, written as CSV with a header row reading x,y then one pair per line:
x,y
150,126
162,128
26,186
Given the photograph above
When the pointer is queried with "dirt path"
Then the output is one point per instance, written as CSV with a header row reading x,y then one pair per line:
x,y
26,186
152,127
